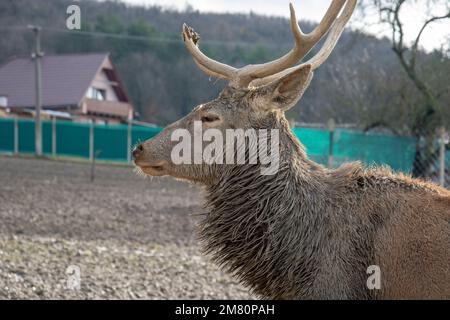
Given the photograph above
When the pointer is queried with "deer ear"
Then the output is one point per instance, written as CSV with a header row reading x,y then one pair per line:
x,y
286,91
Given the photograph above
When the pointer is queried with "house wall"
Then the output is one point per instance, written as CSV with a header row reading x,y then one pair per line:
x,y
111,109
101,82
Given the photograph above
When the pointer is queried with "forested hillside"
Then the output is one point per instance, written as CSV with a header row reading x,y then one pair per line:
x,y
361,81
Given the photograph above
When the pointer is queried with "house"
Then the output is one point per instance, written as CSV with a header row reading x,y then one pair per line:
x,y
75,86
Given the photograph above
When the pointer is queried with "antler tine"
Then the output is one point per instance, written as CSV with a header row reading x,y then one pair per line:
x,y
303,44
206,64
209,72
324,52
250,72
333,37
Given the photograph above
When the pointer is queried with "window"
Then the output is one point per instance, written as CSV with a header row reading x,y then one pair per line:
x,y
96,94
3,101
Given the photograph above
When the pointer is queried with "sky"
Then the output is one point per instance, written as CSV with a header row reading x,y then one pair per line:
x,y
313,10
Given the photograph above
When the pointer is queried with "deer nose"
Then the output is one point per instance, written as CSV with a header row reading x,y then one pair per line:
x,y
137,151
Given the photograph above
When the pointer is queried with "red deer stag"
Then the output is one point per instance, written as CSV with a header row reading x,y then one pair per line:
x,y
305,231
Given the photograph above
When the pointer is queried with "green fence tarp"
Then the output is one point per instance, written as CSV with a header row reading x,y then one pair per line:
x,y
6,135
72,139
349,145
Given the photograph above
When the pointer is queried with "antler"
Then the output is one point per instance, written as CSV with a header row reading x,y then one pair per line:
x,y
263,73
324,52
208,65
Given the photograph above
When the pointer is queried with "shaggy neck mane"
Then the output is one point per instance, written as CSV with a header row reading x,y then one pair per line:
x,y
267,229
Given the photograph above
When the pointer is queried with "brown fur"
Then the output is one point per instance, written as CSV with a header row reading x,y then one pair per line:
x,y
310,232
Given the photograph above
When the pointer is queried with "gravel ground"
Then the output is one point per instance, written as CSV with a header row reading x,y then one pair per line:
x,y
130,237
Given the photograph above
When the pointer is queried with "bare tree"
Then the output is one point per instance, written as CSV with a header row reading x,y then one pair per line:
x,y
428,116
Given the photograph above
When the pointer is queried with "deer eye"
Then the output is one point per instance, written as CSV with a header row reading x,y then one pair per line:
x,y
210,118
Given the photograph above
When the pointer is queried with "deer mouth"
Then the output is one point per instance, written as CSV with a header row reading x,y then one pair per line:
x,y
152,170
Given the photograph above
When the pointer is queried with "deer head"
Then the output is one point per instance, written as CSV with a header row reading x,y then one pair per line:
x,y
256,97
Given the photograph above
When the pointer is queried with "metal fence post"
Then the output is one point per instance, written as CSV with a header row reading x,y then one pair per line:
x,y
91,141
54,136
16,135
96,154
443,140
129,133
331,126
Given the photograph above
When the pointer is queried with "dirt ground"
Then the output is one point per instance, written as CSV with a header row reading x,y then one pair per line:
x,y
129,237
